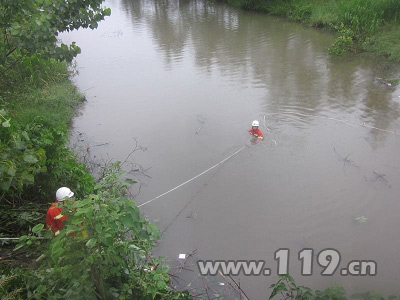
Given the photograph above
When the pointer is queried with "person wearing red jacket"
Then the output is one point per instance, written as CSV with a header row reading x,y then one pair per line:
x,y
54,216
254,131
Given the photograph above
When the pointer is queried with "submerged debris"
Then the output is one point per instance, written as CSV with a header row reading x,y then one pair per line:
x,y
389,82
379,177
193,215
345,160
361,219
201,120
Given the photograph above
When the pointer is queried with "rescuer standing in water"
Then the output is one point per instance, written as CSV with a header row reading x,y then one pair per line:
x,y
255,131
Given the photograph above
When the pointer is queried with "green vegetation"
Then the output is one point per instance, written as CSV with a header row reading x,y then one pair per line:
x,y
286,289
31,28
104,250
34,158
367,25
102,253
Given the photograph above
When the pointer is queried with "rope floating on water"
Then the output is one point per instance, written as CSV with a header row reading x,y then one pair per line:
x,y
328,118
265,125
193,178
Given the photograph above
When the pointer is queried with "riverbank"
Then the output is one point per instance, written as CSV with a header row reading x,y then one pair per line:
x,y
91,257
37,105
36,114
39,101
372,26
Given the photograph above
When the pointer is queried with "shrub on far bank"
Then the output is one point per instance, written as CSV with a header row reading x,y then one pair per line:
x,y
372,25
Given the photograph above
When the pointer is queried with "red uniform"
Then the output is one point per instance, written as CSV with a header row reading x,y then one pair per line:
x,y
256,132
55,219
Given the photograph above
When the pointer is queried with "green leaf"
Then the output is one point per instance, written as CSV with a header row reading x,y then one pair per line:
x,y
41,289
151,228
5,185
91,243
127,221
25,135
6,123
57,250
134,247
29,158
107,12
20,145
84,211
90,259
11,171
22,238
161,285
279,287
27,177
19,246
37,228
15,30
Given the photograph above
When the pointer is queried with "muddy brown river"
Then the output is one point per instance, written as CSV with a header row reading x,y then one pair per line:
x,y
186,79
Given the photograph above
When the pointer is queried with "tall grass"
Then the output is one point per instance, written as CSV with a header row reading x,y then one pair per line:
x,y
51,105
24,73
37,70
364,17
39,88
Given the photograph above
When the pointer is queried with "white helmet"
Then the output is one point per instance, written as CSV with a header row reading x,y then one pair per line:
x,y
255,123
63,193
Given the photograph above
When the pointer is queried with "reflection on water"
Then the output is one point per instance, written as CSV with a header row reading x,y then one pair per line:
x,y
288,61
187,78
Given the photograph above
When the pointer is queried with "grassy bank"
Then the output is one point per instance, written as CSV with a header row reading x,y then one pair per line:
x,y
40,89
366,25
104,248
37,104
39,101
54,104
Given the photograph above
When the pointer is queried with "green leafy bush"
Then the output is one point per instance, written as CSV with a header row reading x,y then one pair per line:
x,y
62,166
372,296
343,42
286,288
20,160
331,293
31,27
7,289
35,161
102,252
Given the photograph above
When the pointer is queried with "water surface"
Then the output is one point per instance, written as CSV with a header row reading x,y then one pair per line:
x,y
160,71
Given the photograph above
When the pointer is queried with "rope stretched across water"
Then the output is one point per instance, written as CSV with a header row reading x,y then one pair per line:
x,y
328,118
283,113
193,178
